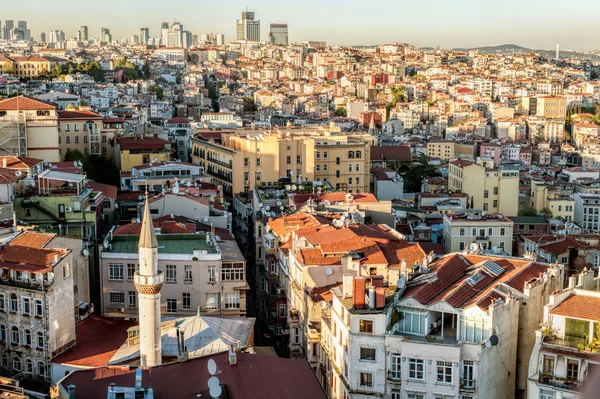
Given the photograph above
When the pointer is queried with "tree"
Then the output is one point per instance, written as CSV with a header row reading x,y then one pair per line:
x,y
146,71
529,211
249,104
398,94
546,211
8,68
340,112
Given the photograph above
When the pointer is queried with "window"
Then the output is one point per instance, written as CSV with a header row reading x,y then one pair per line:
x,y
413,323
14,335
76,127
298,159
40,340
171,305
67,127
462,232
350,180
358,167
358,154
257,161
416,369
27,337
337,160
366,326
396,366
213,301
366,380
444,372
495,203
572,369
232,301
115,271
2,333
246,162
485,194
502,231
130,271
14,303
67,271
187,301
187,269
472,329
548,364
28,366
414,395
171,274
117,298
367,354
318,155
325,168
39,309
288,160
232,271
132,296
212,274
16,364
2,303
41,369
317,168
350,154
76,139
485,206
546,394
357,181
495,190
4,361
468,374
337,173
349,167
576,328
26,306
282,310
325,154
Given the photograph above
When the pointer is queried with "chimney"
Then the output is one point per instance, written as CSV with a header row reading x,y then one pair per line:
x,y
4,164
71,387
232,356
347,286
371,297
380,297
358,292
572,280
138,379
377,281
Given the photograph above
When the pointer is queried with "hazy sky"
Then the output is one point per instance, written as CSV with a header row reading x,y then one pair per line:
x,y
448,23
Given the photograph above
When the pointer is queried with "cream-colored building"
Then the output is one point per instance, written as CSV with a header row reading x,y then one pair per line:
x,y
240,159
487,231
82,130
548,107
441,149
32,65
562,206
29,127
490,189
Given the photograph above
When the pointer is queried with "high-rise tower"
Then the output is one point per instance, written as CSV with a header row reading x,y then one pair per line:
x,y
248,28
148,283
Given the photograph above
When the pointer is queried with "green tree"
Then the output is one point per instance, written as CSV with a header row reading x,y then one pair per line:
x,y
146,71
9,68
546,211
529,211
398,94
340,112
249,104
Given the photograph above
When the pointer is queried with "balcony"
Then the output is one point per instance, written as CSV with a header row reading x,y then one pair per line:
x,y
27,284
394,376
569,342
294,317
467,384
481,238
558,382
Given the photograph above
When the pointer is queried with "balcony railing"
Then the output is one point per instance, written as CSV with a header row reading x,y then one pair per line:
x,y
467,384
571,342
27,284
558,382
481,238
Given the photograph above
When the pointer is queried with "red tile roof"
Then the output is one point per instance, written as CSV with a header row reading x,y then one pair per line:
x,y
79,114
25,103
19,162
579,306
32,239
390,153
106,189
9,175
139,143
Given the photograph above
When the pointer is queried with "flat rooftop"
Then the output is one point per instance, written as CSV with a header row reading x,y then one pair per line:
x,y
167,244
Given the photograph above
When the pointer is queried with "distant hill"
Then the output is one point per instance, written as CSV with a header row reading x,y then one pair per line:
x,y
503,48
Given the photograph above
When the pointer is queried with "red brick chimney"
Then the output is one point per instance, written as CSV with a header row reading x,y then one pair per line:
x,y
377,281
380,297
358,292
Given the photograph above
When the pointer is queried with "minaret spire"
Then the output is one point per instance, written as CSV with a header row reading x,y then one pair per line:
x,y
148,282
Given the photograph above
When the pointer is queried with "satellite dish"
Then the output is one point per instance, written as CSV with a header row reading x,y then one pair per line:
x,y
75,163
401,283
86,252
267,214
50,164
189,184
172,216
278,203
294,187
473,247
213,381
326,203
79,162
212,366
137,220
493,340
18,173
141,197
268,207
323,304
215,392
281,208
116,206
205,219
260,205
176,190
288,187
488,343
217,238
343,218
328,271
346,214
70,184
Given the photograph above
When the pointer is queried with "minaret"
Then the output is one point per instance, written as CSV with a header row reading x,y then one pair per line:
x,y
148,282
372,128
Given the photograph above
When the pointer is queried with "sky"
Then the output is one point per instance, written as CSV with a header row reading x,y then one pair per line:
x,y
538,24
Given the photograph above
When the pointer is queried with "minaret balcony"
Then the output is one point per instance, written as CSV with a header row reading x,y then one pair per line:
x,y
148,284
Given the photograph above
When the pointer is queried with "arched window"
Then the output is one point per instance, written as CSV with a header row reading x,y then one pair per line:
x,y
41,369
16,364
14,335
27,337
14,303
2,333
29,366
4,362
40,340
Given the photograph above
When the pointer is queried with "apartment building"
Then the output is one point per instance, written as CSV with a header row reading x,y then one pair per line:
x,y
441,149
32,65
490,189
29,127
343,163
565,355
548,107
136,150
561,206
203,272
37,308
587,211
157,175
491,232
82,130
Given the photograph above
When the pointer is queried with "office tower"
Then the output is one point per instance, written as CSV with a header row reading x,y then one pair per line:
x,y
78,37
8,25
84,33
164,33
16,35
187,39
22,26
194,40
42,37
557,52
175,35
135,39
220,39
279,34
105,35
144,35
247,28
1,31
61,36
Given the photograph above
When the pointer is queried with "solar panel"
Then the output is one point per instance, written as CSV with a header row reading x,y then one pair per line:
x,y
492,267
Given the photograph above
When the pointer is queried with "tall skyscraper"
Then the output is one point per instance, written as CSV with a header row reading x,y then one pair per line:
x,y
22,27
164,33
8,25
144,35
220,39
135,39
105,35
42,37
148,283
279,34
248,28
84,33
175,35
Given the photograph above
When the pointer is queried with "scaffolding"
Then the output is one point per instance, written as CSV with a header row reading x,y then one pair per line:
x,y
13,135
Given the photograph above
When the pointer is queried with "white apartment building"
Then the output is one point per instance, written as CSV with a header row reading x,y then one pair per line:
x,y
587,211
487,231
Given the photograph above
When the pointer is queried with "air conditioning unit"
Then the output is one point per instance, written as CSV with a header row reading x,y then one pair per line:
x,y
69,209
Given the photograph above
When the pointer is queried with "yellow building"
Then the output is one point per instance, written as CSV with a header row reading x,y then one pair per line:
x,y
561,206
441,149
239,159
548,107
83,130
131,151
29,127
31,66
492,190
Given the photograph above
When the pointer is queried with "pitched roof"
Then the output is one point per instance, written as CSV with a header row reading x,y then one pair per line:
x,y
579,306
19,162
79,114
390,153
25,103
106,189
